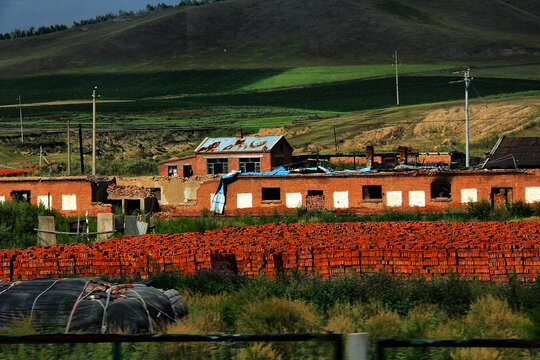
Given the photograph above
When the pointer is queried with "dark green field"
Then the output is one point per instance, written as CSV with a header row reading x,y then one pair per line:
x,y
218,88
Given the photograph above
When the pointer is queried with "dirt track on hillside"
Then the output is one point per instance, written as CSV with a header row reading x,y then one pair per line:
x,y
69,102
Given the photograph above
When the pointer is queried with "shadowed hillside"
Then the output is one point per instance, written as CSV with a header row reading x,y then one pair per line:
x,y
286,33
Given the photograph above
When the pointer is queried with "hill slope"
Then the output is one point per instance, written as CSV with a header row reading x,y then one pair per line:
x,y
285,33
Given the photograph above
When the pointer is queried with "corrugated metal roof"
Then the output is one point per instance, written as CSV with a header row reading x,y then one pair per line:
x,y
520,152
234,144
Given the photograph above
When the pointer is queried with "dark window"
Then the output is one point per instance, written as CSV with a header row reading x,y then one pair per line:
x,y
217,166
21,195
156,192
372,192
188,171
501,196
133,206
173,170
315,193
249,164
441,190
271,194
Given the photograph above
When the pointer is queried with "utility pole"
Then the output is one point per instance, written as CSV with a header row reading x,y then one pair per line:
x,y
20,115
81,149
397,82
335,139
94,131
467,81
68,150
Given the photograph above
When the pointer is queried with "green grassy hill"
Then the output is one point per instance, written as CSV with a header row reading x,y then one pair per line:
x,y
287,33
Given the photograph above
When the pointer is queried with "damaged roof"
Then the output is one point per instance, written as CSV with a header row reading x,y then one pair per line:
x,y
235,144
510,153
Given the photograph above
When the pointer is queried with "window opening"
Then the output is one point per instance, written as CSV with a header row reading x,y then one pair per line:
x,y
21,195
188,171
441,190
156,192
501,196
315,193
271,194
372,192
249,164
173,170
217,166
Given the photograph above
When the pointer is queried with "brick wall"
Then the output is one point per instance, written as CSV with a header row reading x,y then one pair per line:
x,y
70,196
399,191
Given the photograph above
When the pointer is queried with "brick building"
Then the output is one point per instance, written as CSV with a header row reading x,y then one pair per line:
x,y
223,155
369,192
69,195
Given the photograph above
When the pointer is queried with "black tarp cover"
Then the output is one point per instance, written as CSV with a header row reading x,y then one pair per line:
x,y
89,305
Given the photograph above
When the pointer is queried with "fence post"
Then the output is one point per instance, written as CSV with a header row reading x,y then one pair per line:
x,y
338,347
357,346
117,350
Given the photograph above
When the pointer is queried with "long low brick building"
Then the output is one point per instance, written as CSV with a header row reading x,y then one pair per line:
x,y
69,195
281,191
368,192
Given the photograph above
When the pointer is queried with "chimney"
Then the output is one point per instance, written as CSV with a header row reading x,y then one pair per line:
x,y
239,133
403,155
369,156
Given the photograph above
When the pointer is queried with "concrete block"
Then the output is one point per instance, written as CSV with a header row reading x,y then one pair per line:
x,y
69,202
469,196
44,200
417,198
244,201
105,222
394,198
532,194
142,228
46,223
341,199
293,200
131,225
357,346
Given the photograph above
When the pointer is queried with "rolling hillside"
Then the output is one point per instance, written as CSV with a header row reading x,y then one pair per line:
x,y
287,33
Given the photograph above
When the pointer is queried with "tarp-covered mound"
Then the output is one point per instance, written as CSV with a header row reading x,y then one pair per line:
x,y
89,305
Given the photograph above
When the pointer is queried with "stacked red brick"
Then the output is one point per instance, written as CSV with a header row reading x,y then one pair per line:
x,y
15,172
487,251
128,191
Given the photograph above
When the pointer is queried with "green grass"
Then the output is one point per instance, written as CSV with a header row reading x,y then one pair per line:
x,y
325,74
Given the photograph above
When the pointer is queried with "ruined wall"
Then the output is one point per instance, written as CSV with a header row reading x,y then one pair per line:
x,y
174,190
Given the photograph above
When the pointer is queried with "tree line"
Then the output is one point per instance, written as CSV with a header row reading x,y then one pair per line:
x,y
42,30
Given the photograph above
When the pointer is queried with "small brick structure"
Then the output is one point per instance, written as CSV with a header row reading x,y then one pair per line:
x,y
71,195
482,250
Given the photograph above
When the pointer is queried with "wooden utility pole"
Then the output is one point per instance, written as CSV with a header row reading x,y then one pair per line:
x,y
94,131
397,82
81,149
68,150
20,115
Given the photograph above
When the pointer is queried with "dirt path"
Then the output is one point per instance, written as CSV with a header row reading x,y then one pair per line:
x,y
69,102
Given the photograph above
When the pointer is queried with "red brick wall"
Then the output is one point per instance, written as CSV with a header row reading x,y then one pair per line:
x,y
56,187
482,181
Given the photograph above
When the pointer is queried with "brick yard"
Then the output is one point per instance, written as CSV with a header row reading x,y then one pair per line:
x,y
487,251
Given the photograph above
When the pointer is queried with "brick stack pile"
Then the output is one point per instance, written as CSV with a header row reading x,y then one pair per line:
x,y
15,172
487,251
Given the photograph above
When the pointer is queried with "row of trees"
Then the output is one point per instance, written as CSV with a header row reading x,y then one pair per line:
x,y
17,33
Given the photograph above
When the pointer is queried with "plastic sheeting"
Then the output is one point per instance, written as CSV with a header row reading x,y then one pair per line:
x,y
89,305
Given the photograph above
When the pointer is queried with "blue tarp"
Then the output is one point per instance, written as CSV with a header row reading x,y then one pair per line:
x,y
217,204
